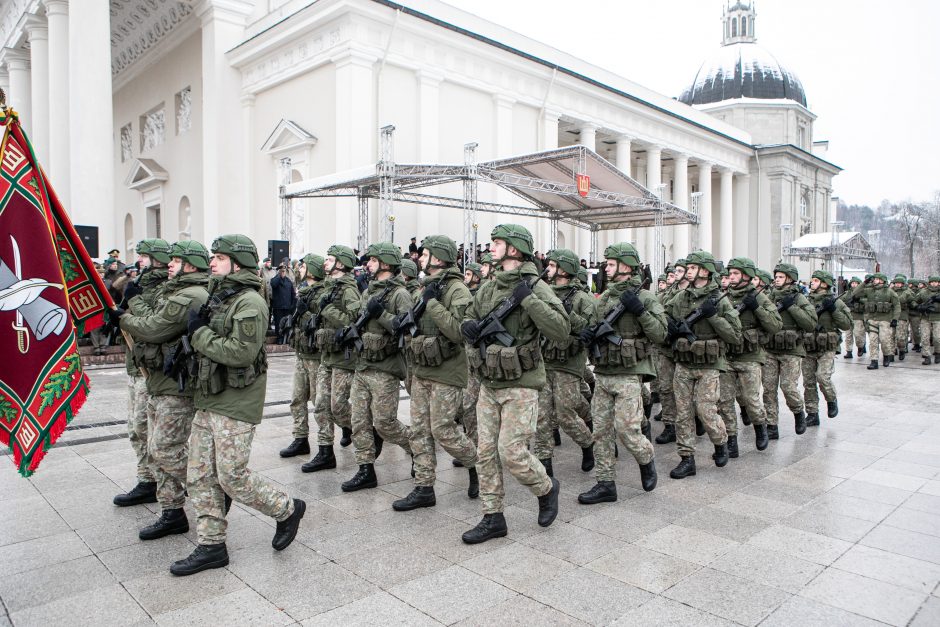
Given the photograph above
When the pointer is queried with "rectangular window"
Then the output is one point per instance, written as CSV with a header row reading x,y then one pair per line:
x,y
802,137
153,128
127,143
184,108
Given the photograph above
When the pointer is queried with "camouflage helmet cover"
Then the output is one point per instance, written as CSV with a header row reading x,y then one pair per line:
x,y
744,264
343,254
566,259
702,259
239,247
475,268
192,252
788,269
515,235
386,252
157,248
442,247
409,269
623,252
314,265
824,277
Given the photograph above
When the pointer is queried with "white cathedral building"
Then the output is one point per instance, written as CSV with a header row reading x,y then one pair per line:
x,y
183,119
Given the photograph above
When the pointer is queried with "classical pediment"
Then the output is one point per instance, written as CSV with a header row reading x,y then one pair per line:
x,y
145,174
287,137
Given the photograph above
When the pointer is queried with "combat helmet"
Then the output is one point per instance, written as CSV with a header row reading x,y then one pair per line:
x,y
239,247
764,276
192,252
343,254
681,263
158,249
386,252
625,253
824,277
409,269
314,264
566,260
475,268
702,259
899,278
744,264
880,275
788,269
486,259
933,278
442,247
515,235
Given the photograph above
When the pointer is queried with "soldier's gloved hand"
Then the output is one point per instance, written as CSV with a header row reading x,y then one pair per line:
x,y
787,302
672,328
587,336
521,292
894,324
829,305
133,289
632,303
375,307
470,330
196,322
433,290
750,302
114,316
396,324
709,308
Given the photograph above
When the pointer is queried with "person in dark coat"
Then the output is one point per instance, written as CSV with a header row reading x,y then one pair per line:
x,y
283,298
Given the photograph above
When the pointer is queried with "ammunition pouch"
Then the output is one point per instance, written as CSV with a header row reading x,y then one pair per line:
x,y
505,363
879,307
325,340
429,351
149,356
559,352
377,346
786,340
699,352
751,340
214,378
630,352
822,341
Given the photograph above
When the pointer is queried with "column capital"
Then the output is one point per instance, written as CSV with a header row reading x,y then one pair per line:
x,y
502,100
429,78
36,27
248,100
56,7
15,59
352,56
229,11
548,113
651,148
680,156
587,126
701,163
623,137
726,171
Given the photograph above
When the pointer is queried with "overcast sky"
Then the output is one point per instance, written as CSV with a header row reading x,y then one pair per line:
x,y
871,70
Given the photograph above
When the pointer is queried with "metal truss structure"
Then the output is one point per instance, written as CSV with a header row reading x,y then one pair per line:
x,y
546,182
831,247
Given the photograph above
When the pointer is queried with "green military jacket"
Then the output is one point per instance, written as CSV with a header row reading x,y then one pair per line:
x,y
380,350
160,331
880,303
639,334
342,311
308,306
539,314
906,299
152,281
570,356
438,349
414,287
713,334
855,305
912,313
930,295
827,336
799,317
230,350
755,325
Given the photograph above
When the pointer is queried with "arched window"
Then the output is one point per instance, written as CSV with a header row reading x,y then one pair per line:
x,y
129,244
734,28
560,239
743,27
185,220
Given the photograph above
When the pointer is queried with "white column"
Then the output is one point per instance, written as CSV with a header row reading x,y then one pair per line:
x,y
429,130
725,216
681,200
20,95
57,17
588,139
705,206
91,120
548,140
588,136
624,158
743,244
223,25
654,177
502,141
39,60
248,152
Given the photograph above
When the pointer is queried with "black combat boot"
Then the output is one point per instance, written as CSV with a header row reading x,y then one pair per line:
x,y
226,503
587,458
799,422
323,460
346,440
885,361
720,455
171,521
655,398
286,530
364,478
146,492
873,365
686,468
602,492
936,358
745,418
699,427
421,496
668,434
862,350
647,410
760,437
733,446
773,432
492,526
300,446
916,348
203,557
377,439
926,362
456,463
548,466
648,475
646,428
473,489
848,355
557,435
812,419
659,416
832,408
548,505
902,355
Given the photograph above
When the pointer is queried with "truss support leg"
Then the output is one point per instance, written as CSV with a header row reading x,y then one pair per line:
x,y
362,239
553,237
594,237
284,167
470,205
387,183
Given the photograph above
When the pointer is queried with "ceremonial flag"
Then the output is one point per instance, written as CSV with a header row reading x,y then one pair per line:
x,y
49,294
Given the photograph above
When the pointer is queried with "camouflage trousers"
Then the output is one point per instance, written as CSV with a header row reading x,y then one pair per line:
x,y
468,414
617,408
697,391
137,426
219,448
374,397
880,338
856,336
506,420
915,322
433,406
741,383
561,403
902,335
781,371
666,372
170,419
929,337
304,391
817,375
332,401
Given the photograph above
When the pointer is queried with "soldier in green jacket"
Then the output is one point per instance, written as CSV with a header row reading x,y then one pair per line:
x,y
440,372
928,304
141,297
622,356
902,334
857,309
822,344
785,350
487,268
742,379
561,399
472,276
666,367
379,366
882,310
228,338
409,273
913,313
170,406
511,377
700,359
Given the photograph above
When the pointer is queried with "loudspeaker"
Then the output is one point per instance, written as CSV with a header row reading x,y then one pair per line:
x,y
89,237
278,249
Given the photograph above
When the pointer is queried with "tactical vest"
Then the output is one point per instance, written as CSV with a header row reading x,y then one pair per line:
x,y
561,352
429,348
145,355
752,334
878,301
213,377
300,342
707,347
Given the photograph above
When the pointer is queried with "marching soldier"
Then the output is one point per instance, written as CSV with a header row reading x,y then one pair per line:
x,y
228,338
785,350
857,308
699,358
632,315
821,346
913,313
170,407
440,373
487,268
902,334
561,398
511,376
742,380
666,368
882,310
380,365
928,301
472,275
140,298
409,272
